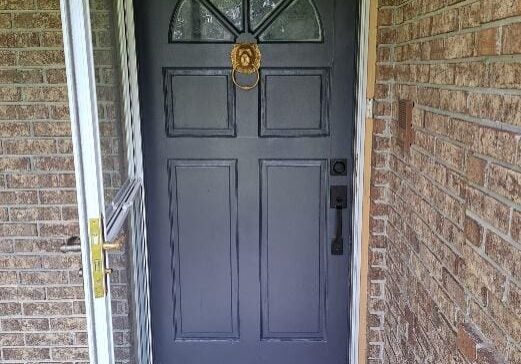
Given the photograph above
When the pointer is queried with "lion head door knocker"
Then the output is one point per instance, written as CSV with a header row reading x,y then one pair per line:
x,y
246,58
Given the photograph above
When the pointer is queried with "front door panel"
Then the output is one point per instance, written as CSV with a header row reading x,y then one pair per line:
x,y
238,182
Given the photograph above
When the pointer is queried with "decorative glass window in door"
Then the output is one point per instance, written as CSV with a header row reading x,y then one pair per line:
x,y
224,20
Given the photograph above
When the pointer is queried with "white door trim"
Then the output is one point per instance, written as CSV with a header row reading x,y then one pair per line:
x,y
358,193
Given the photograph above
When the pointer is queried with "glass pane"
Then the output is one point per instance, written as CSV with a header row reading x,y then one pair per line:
x,y
107,67
121,298
232,9
299,22
260,9
193,22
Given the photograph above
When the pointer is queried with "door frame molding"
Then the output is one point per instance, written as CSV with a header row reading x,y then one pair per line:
x,y
85,134
357,272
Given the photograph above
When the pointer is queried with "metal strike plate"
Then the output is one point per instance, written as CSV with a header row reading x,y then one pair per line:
x,y
96,254
338,167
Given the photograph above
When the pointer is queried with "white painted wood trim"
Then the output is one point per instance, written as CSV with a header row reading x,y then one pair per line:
x,y
85,136
361,114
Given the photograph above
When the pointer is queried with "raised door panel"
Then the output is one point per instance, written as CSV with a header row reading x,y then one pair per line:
x,y
203,200
199,102
294,102
293,242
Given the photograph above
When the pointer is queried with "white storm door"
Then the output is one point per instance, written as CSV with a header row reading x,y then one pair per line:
x,y
108,206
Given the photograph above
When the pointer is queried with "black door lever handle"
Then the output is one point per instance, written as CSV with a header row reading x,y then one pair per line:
x,y
338,201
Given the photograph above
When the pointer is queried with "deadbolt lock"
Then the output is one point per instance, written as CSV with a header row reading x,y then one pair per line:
x,y
338,167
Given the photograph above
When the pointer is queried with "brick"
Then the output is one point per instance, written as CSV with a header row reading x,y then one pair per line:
x,y
18,229
25,325
505,75
29,146
473,231
68,324
26,353
487,42
52,129
10,94
505,182
21,293
35,213
54,163
43,278
12,129
23,112
14,164
445,22
20,262
56,76
490,209
58,197
41,58
470,15
49,339
16,339
17,5
516,226
469,341
59,229
493,10
496,144
18,197
67,354
505,253
488,355
51,39
7,58
471,74
19,40
459,46
512,39
37,20
10,309
450,154
45,94
476,170
47,309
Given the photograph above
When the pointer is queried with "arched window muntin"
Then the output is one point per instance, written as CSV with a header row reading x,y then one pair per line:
x,y
224,21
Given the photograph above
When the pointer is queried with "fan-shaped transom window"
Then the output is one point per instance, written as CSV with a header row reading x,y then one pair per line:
x,y
225,20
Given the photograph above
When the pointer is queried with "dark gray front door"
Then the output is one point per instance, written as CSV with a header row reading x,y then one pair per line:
x,y
240,226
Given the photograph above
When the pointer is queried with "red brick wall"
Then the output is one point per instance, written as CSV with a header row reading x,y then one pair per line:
x,y
445,266
41,307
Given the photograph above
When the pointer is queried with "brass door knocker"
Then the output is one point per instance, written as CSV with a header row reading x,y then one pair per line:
x,y
246,58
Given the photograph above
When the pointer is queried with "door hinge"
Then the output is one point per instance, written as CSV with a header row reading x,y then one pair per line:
x,y
370,108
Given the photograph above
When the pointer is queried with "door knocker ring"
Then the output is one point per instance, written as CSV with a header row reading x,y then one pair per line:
x,y
246,58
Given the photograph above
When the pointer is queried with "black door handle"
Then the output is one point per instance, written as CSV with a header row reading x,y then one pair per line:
x,y
338,201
